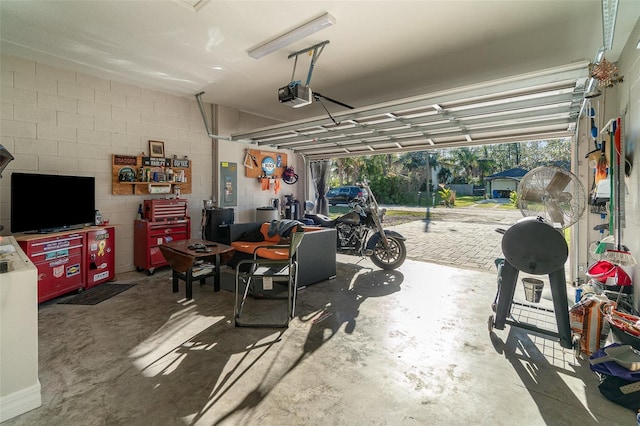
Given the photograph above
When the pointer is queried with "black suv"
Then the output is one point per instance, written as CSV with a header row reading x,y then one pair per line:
x,y
345,194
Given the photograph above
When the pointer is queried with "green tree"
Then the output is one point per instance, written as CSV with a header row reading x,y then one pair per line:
x,y
397,178
444,175
467,161
415,165
375,165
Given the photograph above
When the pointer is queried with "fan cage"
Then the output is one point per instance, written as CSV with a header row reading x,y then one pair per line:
x,y
543,192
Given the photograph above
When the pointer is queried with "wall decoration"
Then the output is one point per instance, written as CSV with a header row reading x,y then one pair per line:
x,y
268,166
125,160
264,164
156,149
139,175
228,184
127,174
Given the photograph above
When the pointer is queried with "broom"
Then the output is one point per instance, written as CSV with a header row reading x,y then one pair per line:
x,y
607,243
619,255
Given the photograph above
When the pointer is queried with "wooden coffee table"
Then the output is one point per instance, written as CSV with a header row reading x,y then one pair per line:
x,y
182,258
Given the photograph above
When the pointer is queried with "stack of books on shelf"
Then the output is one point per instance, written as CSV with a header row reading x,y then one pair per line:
x,y
202,268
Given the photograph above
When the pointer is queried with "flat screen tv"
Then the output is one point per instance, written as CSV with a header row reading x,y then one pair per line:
x,y
51,203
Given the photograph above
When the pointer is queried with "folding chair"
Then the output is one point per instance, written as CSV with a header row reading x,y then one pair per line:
x,y
268,271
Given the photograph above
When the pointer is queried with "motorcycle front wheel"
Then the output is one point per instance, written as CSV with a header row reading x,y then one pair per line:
x,y
391,258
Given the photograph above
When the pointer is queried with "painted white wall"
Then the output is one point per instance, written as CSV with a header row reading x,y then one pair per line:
x,y
64,122
19,384
629,109
622,100
250,194
58,121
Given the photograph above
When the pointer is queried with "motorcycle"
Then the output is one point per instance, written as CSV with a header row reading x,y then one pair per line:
x,y
360,232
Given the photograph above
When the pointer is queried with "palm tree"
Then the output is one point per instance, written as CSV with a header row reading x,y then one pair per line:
x,y
467,159
416,166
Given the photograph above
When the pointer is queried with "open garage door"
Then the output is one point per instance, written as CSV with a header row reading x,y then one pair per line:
x,y
540,105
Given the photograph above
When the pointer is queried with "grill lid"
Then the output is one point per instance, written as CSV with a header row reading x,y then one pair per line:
x,y
533,246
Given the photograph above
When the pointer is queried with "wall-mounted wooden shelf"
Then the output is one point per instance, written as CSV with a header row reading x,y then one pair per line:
x,y
126,167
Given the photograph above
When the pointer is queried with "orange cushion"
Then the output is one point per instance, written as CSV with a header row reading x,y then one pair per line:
x,y
267,253
312,228
274,253
264,229
249,246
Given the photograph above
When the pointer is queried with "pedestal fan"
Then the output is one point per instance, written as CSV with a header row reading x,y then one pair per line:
x,y
551,199
553,193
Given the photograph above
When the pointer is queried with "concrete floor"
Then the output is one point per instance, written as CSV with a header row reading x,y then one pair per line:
x,y
408,347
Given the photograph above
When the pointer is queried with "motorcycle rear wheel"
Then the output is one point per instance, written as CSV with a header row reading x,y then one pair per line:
x,y
393,257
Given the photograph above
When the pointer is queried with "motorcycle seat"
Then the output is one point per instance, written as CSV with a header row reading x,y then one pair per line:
x,y
323,220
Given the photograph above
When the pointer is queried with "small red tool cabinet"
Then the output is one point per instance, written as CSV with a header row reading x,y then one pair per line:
x,y
164,221
100,256
163,210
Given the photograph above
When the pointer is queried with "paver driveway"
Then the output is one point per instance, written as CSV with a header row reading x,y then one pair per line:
x,y
463,237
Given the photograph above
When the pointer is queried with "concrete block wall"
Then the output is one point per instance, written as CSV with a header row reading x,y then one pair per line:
x,y
58,121
249,192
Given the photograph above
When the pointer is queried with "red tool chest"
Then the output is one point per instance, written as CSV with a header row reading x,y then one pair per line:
x,y
147,236
100,260
65,260
164,220
165,209
59,260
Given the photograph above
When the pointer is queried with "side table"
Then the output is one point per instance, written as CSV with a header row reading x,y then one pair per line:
x,y
182,260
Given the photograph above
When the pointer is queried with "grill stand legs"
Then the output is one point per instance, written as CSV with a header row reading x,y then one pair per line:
x,y
507,281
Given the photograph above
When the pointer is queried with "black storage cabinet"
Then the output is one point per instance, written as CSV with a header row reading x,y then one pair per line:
x,y
216,228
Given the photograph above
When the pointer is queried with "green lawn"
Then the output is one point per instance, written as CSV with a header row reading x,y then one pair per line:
x,y
467,201
462,201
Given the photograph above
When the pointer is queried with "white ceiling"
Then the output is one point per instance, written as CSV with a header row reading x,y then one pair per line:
x,y
379,51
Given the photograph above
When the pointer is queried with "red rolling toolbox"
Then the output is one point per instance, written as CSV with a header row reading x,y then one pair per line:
x,y
163,221
59,259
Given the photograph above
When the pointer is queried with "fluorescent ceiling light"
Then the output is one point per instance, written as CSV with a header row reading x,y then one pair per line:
x,y
609,13
192,5
292,36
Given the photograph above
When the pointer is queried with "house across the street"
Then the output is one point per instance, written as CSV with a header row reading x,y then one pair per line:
x,y
500,185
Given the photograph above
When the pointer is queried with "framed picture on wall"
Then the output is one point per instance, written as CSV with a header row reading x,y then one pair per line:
x,y
156,149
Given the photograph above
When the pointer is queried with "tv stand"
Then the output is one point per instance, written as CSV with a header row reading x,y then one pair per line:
x,y
58,229
70,260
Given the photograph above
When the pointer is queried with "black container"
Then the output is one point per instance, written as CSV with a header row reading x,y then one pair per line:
x,y
216,228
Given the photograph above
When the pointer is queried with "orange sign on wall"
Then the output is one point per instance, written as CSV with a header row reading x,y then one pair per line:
x,y
264,164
